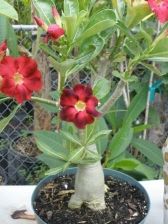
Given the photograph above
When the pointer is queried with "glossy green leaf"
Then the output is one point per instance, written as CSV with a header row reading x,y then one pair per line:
x,y
101,87
8,10
89,50
129,35
70,25
51,143
7,33
147,171
140,128
3,99
97,136
76,155
152,68
5,121
137,105
136,11
71,7
50,161
148,149
126,164
120,141
54,171
159,52
44,9
70,137
101,21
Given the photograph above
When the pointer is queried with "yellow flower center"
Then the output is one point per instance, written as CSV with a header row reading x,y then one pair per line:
x,y
18,78
80,106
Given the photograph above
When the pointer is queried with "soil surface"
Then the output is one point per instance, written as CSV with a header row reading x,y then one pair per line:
x,y
26,146
125,204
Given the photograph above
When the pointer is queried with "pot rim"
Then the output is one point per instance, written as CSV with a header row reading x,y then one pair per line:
x,y
115,173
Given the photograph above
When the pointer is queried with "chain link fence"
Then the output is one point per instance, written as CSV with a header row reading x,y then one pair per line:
x,y
19,167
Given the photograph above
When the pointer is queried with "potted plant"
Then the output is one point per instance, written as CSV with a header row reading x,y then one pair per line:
x,y
73,42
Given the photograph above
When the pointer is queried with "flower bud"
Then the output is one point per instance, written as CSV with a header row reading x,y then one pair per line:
x,y
40,23
56,16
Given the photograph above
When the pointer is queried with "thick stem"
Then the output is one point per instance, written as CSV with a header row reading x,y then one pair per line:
x,y
114,97
165,176
89,187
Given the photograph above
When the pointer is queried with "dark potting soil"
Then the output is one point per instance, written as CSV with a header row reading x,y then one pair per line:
x,y
26,146
125,204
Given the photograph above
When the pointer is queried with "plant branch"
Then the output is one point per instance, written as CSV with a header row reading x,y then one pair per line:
x,y
46,101
114,97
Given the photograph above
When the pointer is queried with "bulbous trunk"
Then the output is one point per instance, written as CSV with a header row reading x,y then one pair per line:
x,y
165,176
89,187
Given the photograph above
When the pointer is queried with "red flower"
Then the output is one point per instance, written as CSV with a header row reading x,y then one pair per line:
x,y
54,32
3,48
19,77
160,8
79,105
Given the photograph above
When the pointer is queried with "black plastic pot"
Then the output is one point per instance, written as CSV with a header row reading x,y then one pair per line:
x,y
23,158
3,176
107,172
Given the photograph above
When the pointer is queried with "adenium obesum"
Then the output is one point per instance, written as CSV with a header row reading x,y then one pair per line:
x,y
19,77
53,31
160,8
78,105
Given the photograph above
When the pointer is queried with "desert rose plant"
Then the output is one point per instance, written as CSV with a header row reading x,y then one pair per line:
x,y
72,42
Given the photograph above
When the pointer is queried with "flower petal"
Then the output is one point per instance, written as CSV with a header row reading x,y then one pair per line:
x,y
91,103
82,91
160,8
68,98
68,114
82,119
54,32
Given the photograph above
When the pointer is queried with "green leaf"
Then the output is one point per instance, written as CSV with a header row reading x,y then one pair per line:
x,y
159,52
152,68
120,141
7,33
147,171
76,155
5,121
97,135
4,99
126,164
89,50
51,144
137,105
148,149
54,171
136,11
101,87
44,9
140,128
8,10
131,47
51,161
70,137
101,21
71,8
132,38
